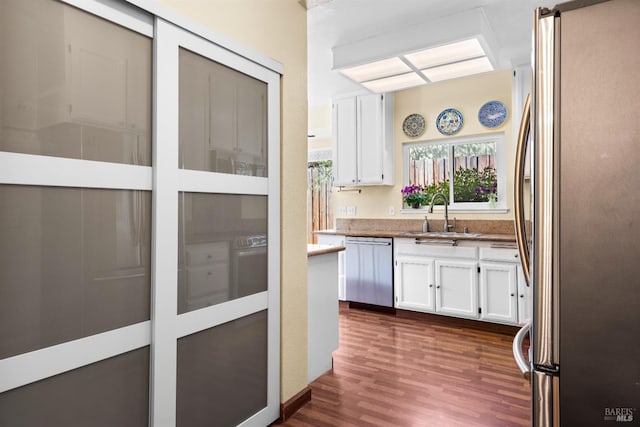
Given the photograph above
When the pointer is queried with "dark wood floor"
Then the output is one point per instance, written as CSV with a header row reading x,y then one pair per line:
x,y
408,370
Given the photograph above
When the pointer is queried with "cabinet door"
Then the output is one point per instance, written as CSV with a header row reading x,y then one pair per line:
x,y
498,285
457,288
525,304
344,139
414,284
369,135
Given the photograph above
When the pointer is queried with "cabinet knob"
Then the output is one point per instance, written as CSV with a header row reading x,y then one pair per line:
x,y
521,295
353,180
438,287
513,295
431,286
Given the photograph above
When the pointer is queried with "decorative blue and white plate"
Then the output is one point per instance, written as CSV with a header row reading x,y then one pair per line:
x,y
449,121
492,114
413,125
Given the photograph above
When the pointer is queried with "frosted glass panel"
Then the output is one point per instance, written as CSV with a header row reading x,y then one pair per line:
x,y
73,85
73,262
222,373
222,248
112,392
223,118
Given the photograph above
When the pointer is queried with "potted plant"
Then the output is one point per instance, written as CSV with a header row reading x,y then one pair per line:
x,y
414,196
490,192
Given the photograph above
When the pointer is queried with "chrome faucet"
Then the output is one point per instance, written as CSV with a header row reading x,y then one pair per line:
x,y
446,209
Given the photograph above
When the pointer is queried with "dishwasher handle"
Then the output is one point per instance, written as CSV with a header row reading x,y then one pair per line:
x,y
363,242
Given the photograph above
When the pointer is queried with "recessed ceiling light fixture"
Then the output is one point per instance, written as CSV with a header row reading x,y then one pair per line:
x,y
401,60
450,61
389,84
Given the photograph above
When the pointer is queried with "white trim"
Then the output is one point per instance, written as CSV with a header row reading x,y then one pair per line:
x,y
29,367
209,317
30,169
274,251
164,299
206,33
471,207
211,182
118,12
439,209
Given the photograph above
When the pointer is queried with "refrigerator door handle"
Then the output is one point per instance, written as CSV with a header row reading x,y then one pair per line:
x,y
518,354
520,226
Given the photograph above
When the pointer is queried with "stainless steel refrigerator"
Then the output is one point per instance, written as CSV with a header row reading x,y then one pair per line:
x,y
581,245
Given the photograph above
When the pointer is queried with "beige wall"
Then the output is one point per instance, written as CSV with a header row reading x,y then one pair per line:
x,y
278,29
466,95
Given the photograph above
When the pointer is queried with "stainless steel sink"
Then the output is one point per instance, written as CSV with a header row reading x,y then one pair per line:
x,y
447,234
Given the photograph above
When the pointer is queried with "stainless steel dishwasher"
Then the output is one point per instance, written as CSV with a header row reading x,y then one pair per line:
x,y
369,270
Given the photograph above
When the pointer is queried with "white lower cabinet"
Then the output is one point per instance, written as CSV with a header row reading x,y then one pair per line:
x,y
427,281
457,288
498,287
525,304
471,280
415,283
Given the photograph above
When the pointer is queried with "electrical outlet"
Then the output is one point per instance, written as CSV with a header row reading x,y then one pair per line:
x,y
342,210
392,210
351,211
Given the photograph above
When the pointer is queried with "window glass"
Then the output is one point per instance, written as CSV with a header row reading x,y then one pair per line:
x,y
222,248
73,85
222,373
474,178
112,392
223,118
73,262
463,172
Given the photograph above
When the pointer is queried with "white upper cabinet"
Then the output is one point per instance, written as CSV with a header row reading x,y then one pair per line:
x,y
363,140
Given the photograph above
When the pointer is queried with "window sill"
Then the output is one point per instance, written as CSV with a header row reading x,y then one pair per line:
x,y
424,210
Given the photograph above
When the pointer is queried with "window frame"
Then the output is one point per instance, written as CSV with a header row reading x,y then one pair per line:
x,y
500,168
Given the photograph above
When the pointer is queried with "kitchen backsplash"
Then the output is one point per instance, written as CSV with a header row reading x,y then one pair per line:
x,y
474,226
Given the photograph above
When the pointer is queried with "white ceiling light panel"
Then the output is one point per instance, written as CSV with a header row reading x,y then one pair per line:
x,y
452,52
458,69
376,70
393,83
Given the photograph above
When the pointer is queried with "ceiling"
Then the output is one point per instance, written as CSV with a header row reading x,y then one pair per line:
x,y
340,22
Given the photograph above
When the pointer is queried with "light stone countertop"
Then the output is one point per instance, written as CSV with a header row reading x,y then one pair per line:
x,y
313,250
406,234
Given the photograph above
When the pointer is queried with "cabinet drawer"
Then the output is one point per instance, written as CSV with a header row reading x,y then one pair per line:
x,y
206,253
437,251
499,254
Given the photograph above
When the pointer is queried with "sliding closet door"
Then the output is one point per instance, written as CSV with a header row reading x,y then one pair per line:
x,y
217,224
75,215
139,222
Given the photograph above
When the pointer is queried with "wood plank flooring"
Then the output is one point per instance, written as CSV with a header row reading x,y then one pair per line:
x,y
412,370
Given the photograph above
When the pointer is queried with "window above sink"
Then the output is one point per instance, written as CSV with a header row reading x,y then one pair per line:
x,y
469,171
